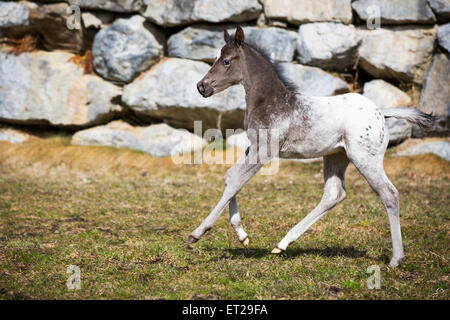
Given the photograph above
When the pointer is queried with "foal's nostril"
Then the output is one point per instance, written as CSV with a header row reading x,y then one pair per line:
x,y
201,87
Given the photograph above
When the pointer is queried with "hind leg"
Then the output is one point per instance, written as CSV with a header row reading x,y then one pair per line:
x,y
371,167
236,223
334,192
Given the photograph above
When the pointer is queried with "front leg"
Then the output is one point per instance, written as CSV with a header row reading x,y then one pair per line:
x,y
237,176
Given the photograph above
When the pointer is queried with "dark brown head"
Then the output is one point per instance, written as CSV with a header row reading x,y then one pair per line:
x,y
227,69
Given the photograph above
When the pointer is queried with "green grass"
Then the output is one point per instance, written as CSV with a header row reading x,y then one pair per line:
x,y
127,234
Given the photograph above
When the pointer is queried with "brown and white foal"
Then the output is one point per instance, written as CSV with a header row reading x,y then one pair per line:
x,y
342,128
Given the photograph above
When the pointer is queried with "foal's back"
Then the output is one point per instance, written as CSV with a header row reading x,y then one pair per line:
x,y
320,126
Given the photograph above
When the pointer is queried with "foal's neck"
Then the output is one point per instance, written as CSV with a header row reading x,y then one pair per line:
x,y
263,87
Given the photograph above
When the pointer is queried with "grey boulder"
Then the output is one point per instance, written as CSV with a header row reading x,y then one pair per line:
x,y
169,13
439,148
385,95
46,88
306,11
203,42
109,5
396,11
399,53
443,35
313,81
13,15
435,96
332,46
97,20
441,8
126,48
158,140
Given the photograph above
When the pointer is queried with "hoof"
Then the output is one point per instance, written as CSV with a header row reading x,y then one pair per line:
x,y
191,239
277,251
245,242
395,262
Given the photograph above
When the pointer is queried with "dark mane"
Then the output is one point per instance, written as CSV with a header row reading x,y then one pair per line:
x,y
291,86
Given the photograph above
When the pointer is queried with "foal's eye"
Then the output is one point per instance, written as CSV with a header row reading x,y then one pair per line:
x,y
226,62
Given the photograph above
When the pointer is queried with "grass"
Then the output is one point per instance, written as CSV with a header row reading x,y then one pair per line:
x,y
123,217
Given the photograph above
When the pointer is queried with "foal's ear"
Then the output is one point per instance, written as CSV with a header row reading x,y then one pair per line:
x,y
239,36
226,36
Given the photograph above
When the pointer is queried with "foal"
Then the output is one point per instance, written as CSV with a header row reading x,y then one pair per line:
x,y
342,128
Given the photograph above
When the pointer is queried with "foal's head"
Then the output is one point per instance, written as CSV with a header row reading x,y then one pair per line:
x,y
227,69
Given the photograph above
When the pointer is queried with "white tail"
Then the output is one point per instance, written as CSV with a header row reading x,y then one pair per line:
x,y
414,116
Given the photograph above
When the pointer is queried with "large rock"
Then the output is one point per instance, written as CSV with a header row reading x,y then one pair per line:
x,y
12,135
97,20
439,148
396,11
441,8
158,140
196,43
435,95
50,22
313,81
127,47
279,44
399,130
94,21
385,95
109,5
46,88
168,92
169,13
328,45
305,11
13,15
203,42
400,53
443,35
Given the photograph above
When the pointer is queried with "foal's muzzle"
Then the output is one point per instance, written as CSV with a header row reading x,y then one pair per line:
x,y
205,89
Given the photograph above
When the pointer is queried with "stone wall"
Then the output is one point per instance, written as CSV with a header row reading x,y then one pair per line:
x,y
138,61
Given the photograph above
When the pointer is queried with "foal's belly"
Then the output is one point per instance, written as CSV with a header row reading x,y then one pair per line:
x,y
321,138
309,153
312,146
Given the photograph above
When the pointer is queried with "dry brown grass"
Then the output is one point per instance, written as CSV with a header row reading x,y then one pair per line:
x,y
427,164
55,155
28,43
84,61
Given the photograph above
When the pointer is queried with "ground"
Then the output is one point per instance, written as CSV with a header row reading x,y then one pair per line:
x,y
123,218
